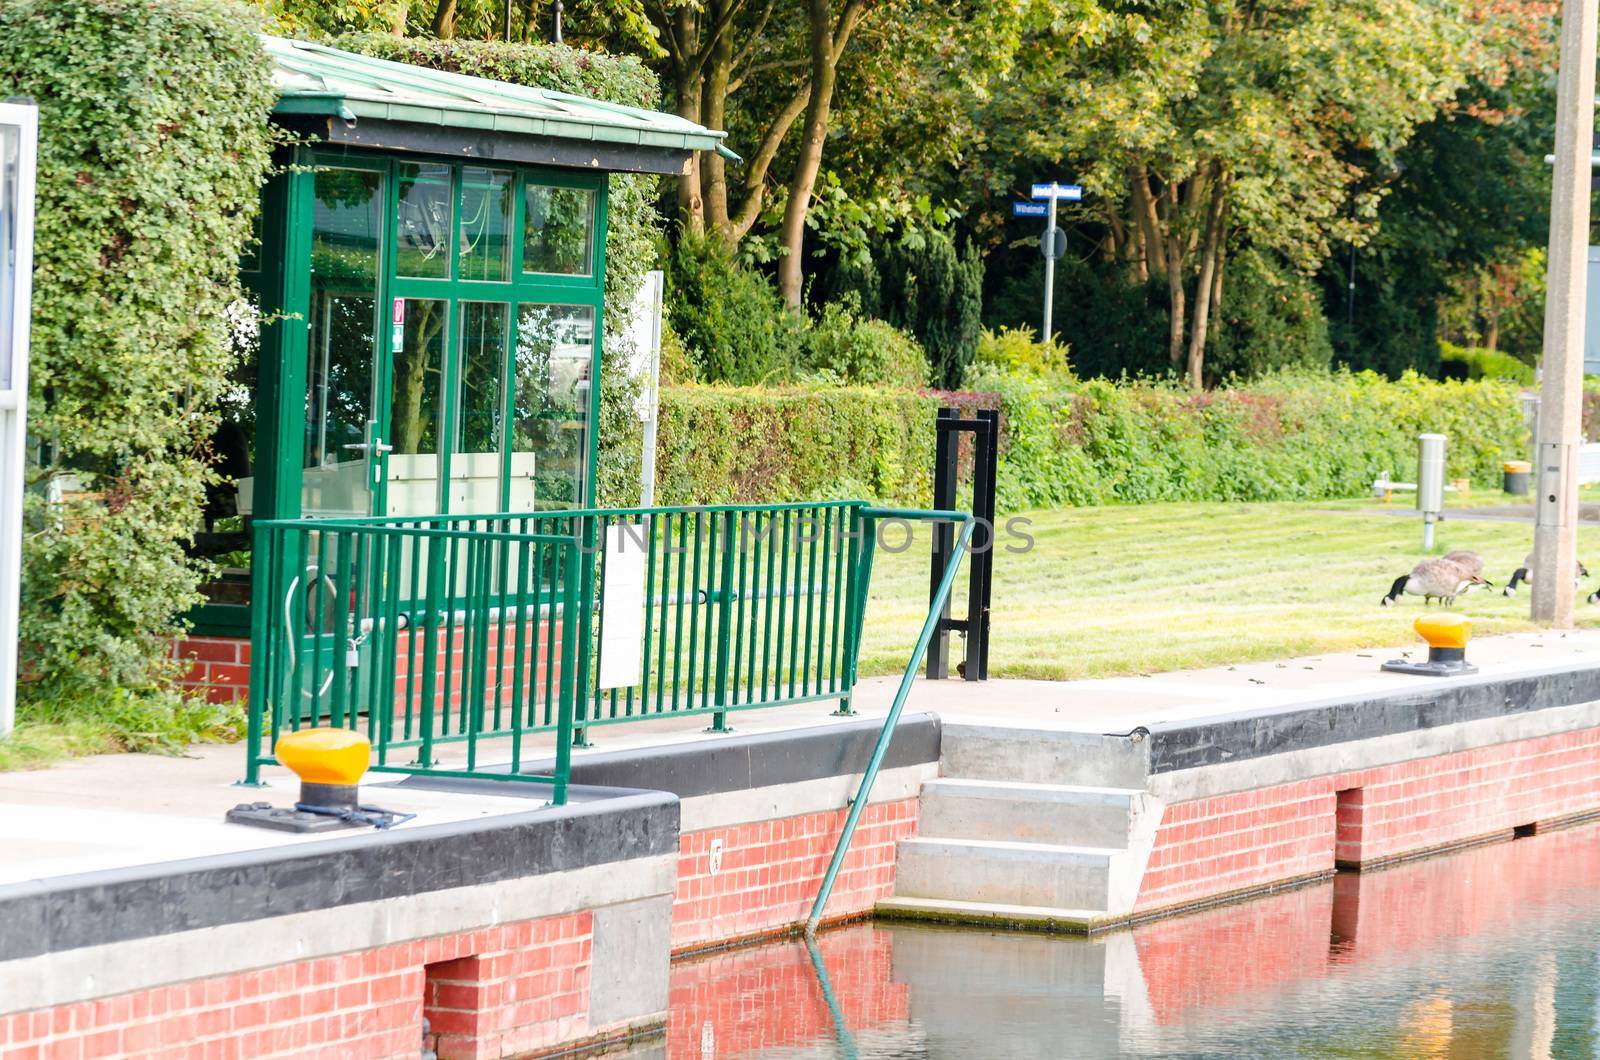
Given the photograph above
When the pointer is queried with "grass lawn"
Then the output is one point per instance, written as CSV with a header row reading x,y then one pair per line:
x,y
1127,590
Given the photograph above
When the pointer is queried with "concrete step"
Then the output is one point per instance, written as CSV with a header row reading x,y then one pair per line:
x,y
1056,814
1032,756
993,914
1034,874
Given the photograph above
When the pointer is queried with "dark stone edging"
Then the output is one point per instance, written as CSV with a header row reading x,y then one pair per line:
x,y
738,762
1255,734
125,904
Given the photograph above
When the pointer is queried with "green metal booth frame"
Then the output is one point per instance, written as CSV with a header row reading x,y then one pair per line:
x,y
424,333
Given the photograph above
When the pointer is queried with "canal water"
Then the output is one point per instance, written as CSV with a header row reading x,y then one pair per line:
x,y
1485,953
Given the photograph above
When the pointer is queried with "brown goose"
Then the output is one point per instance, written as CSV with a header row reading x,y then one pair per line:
x,y
1444,578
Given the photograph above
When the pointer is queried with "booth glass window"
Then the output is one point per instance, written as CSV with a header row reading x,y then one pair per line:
x,y
423,220
486,209
553,364
414,420
346,240
558,231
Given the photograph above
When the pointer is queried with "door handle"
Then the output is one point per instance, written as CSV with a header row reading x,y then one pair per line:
x,y
376,447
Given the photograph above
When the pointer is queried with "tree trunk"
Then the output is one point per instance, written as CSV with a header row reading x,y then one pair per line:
x,y
1203,289
687,82
444,20
1175,294
753,187
399,10
827,43
812,134
1222,260
713,115
1149,225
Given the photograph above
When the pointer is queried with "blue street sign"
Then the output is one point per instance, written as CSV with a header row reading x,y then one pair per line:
x,y
1028,209
1069,192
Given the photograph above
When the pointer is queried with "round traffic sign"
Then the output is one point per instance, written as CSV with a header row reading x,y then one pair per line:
x,y
1053,244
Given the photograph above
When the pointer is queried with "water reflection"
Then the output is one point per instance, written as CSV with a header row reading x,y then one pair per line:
x,y
1491,952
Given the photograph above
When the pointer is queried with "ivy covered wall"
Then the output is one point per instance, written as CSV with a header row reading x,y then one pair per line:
x,y
154,142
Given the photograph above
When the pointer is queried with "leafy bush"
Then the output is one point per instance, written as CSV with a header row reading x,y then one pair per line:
x,y
861,351
633,228
1114,329
730,318
154,141
922,283
1471,362
725,444
1270,318
1291,436
1015,351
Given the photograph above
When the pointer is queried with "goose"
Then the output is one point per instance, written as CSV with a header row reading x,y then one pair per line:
x,y
1443,578
1521,575
1468,559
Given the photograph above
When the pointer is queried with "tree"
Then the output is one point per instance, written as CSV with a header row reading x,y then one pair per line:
x,y
1197,127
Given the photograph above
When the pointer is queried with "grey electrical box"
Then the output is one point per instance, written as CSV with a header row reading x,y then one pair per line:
x,y
1430,473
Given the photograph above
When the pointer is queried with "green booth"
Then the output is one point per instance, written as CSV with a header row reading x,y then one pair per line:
x,y
424,336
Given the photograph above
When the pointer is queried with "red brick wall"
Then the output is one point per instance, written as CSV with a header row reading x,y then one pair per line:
x,y
530,979
1231,842
530,992
770,872
1226,843
748,1002
219,667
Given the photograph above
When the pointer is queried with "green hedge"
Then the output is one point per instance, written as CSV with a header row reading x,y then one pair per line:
x,y
154,141
633,228
1475,362
1291,436
716,445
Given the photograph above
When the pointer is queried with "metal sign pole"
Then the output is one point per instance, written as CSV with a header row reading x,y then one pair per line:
x,y
19,139
1049,273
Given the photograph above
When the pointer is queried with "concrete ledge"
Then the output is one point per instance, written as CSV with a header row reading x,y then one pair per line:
x,y
120,905
1211,741
740,761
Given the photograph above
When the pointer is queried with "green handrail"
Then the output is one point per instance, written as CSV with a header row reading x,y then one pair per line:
x,y
881,748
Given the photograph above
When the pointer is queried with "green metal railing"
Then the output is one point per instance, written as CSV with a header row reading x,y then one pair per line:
x,y
482,630
886,735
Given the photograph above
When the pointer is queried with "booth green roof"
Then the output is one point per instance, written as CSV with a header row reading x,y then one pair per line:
x,y
315,79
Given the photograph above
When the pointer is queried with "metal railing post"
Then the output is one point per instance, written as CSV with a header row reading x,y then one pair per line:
x,y
263,593
886,735
724,598
574,645
585,547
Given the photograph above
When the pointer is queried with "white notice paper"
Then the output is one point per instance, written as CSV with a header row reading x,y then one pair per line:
x,y
622,603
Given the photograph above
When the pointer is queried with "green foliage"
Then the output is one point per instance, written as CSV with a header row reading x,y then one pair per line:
x,y
633,228
1297,435
921,283
1294,435
1471,362
1015,351
725,444
154,141
1466,209
1115,328
730,318
845,346
1271,318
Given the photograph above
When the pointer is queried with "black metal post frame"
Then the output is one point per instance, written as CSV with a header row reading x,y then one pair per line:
x,y
947,450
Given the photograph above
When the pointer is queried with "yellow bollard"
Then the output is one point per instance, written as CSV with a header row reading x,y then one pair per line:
x,y
1446,635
